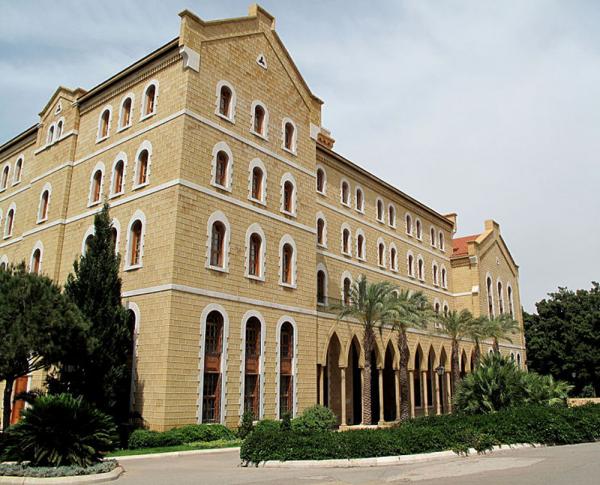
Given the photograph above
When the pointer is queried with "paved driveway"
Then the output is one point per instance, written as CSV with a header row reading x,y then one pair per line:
x,y
568,465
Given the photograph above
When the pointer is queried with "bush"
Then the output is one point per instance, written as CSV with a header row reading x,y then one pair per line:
x,y
548,425
267,424
246,425
499,384
60,430
10,470
142,438
315,418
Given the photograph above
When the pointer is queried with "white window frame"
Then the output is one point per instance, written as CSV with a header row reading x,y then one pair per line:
x,y
410,269
382,218
287,239
218,216
359,256
117,226
38,246
501,300
102,111
58,134
261,362
47,187
321,267
231,115
422,276
91,231
6,169
383,263
360,209
346,226
395,221
435,273
122,156
510,293
265,135
121,126
20,158
52,130
443,279
320,215
288,177
324,191
409,229
280,323
255,229
418,224
145,145
12,207
144,116
490,293
441,241
221,146
294,149
347,203
257,162
345,275
393,259
138,215
98,166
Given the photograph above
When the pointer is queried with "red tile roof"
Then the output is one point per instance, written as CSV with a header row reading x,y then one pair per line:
x,y
460,244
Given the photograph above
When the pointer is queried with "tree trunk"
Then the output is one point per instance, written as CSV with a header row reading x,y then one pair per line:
x,y
454,366
404,384
366,390
476,355
7,402
496,345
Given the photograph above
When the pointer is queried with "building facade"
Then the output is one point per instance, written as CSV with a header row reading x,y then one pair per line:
x,y
237,225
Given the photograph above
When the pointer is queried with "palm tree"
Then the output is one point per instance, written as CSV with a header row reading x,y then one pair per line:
x,y
457,325
371,305
411,310
500,327
477,332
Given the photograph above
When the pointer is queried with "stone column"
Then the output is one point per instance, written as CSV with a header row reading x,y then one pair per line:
x,y
343,373
362,386
322,385
449,391
397,382
411,389
438,407
381,413
425,393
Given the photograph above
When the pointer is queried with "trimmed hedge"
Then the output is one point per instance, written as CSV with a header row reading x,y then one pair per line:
x,y
143,438
15,470
531,424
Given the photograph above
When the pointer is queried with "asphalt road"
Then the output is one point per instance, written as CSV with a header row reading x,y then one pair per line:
x,y
568,465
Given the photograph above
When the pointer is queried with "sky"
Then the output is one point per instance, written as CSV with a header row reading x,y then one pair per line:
x,y
487,109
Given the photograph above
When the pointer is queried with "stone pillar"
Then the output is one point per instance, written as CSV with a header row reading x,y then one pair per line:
x,y
322,385
411,389
362,387
449,391
397,382
438,407
425,393
343,373
381,402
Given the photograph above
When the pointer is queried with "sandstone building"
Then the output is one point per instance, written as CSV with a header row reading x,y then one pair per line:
x,y
237,224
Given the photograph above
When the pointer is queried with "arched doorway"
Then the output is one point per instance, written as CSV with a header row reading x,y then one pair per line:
x,y
389,385
430,378
332,386
375,404
353,385
443,391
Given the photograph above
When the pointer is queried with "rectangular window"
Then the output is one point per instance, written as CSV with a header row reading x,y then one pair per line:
x,y
211,398
285,395
251,392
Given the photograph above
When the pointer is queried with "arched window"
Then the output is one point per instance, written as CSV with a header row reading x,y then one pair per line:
x,y
217,245
393,258
409,228
118,178
257,184
446,309
87,242
211,382
5,173
518,360
43,208
125,115
289,136
259,119
444,278
225,101
252,366
345,193
96,187
114,237
320,180
421,268
436,307
286,369
36,261
392,215
255,255
432,236
490,296
287,255
59,129
321,287
10,222
150,96
500,298
441,240
18,171
104,125
360,245
50,136
418,229
380,210
510,302
347,284
135,249
434,271
142,168
321,231
288,197
411,264
360,200
381,254
346,241
221,168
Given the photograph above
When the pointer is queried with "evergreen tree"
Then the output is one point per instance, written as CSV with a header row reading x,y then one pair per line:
x,y
103,374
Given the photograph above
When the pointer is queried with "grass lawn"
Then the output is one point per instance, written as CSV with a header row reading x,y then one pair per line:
x,y
203,445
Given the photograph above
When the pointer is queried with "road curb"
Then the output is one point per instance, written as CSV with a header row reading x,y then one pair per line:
x,y
171,454
383,460
97,478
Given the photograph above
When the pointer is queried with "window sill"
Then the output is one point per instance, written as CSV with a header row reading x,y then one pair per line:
x,y
291,152
149,115
93,204
409,234
322,192
217,268
392,226
226,118
360,211
381,266
115,195
99,140
345,204
381,221
322,246
133,267
41,221
123,128
139,186
348,255
289,214
322,303
360,258
291,286
7,237
257,201
220,187
259,135
16,183
260,279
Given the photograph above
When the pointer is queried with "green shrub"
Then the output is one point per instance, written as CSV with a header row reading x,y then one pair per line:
x,y
286,422
60,430
142,438
20,470
499,384
267,424
246,425
315,418
549,425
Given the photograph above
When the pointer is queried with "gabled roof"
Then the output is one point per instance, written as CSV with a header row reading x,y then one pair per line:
x,y
72,92
460,245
